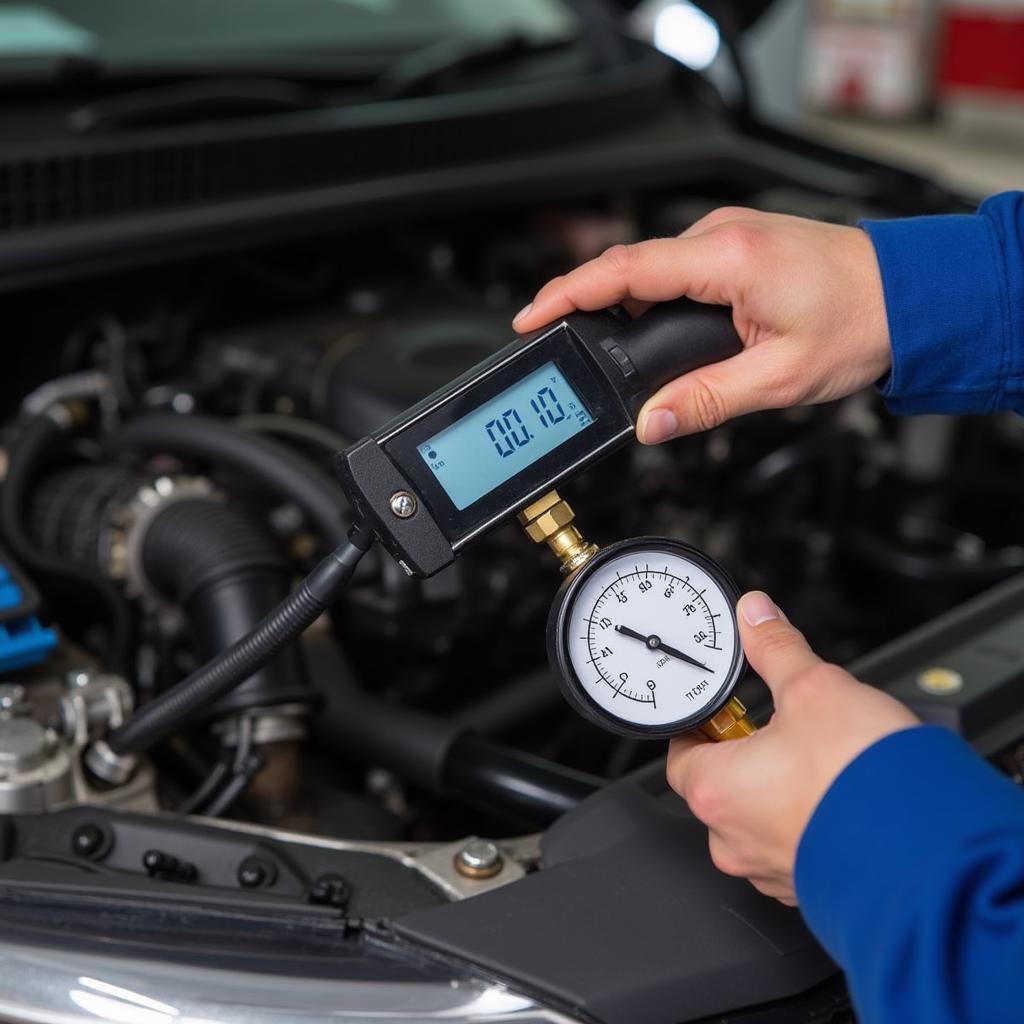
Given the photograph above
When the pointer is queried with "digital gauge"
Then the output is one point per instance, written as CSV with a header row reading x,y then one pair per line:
x,y
644,638
477,451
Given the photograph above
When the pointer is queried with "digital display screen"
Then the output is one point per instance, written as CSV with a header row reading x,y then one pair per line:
x,y
505,435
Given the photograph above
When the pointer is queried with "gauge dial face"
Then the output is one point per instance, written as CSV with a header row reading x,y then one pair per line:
x,y
649,637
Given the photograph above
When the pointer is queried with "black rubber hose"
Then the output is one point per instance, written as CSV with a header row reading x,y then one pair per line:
x,y
226,574
63,581
279,628
281,470
514,703
443,756
523,785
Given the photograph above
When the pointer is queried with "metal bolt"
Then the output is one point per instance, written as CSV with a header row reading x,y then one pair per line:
x,y
479,858
402,504
77,678
253,873
87,840
156,861
12,697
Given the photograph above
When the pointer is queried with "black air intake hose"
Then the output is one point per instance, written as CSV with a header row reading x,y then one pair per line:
x,y
226,575
281,470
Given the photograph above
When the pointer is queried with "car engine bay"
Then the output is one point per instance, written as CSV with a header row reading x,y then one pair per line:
x,y
168,442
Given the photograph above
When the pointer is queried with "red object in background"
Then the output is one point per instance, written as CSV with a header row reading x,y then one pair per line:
x,y
983,51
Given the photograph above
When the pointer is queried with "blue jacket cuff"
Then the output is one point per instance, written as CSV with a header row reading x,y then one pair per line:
x,y
900,809
946,299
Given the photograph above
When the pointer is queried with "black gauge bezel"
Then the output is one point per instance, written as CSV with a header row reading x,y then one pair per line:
x,y
572,687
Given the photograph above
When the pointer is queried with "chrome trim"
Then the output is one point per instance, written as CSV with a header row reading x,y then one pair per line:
x,y
46,986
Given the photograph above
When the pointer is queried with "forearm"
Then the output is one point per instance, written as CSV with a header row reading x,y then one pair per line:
x,y
911,873
954,297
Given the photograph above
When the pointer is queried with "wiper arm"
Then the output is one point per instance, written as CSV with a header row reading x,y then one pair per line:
x,y
80,70
426,69
191,101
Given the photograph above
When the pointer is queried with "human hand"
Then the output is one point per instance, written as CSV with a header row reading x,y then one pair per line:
x,y
757,794
807,302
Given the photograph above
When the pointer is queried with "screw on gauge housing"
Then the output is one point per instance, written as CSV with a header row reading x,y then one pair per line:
x,y
402,504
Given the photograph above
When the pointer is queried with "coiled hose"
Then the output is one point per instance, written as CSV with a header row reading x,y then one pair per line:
x,y
275,631
225,573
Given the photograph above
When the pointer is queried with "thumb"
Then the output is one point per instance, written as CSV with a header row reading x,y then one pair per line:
x,y
776,650
686,755
704,399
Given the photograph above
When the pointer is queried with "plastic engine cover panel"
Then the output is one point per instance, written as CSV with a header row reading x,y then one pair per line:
x,y
629,921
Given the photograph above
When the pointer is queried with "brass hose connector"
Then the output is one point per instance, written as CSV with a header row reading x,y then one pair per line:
x,y
550,520
731,723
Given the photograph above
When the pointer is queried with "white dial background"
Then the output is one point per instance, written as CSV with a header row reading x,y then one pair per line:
x,y
662,595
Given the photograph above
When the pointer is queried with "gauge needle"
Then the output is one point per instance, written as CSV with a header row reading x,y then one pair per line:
x,y
655,644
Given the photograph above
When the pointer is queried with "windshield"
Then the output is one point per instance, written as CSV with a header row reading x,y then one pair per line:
x,y
131,33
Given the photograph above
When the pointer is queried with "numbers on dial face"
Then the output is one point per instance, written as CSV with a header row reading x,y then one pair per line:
x,y
652,639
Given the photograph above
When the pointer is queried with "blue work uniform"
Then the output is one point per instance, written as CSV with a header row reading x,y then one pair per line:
x,y
911,870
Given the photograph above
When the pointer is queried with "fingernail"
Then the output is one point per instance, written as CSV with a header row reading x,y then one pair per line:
x,y
658,425
523,312
757,607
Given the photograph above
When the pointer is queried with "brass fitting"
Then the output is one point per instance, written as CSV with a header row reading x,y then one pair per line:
x,y
550,520
731,723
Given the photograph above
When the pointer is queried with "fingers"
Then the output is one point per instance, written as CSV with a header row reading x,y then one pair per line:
x,y
654,271
706,398
776,650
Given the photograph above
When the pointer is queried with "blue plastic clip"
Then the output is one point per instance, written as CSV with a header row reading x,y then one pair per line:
x,y
23,639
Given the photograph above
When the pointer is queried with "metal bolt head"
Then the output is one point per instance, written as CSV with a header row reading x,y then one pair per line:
x,y
402,504
479,858
12,697
23,744
88,840
254,873
77,678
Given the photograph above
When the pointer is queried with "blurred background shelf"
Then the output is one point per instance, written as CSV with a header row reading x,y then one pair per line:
x,y
977,161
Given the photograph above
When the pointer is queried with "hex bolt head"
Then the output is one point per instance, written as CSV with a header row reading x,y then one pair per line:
x,y
479,858
156,861
12,697
77,678
402,504
254,873
88,840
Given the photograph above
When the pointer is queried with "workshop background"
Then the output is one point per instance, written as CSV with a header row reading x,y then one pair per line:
x,y
937,84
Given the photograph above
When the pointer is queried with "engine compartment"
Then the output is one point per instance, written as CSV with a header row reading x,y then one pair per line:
x,y
168,437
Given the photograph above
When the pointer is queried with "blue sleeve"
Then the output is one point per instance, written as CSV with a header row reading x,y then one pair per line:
x,y
911,874
954,296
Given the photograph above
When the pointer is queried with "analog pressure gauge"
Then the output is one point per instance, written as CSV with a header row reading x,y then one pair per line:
x,y
644,638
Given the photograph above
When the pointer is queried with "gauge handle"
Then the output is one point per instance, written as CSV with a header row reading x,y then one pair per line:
x,y
731,723
670,339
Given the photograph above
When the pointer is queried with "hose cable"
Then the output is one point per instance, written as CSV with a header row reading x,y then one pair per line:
x,y
278,628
